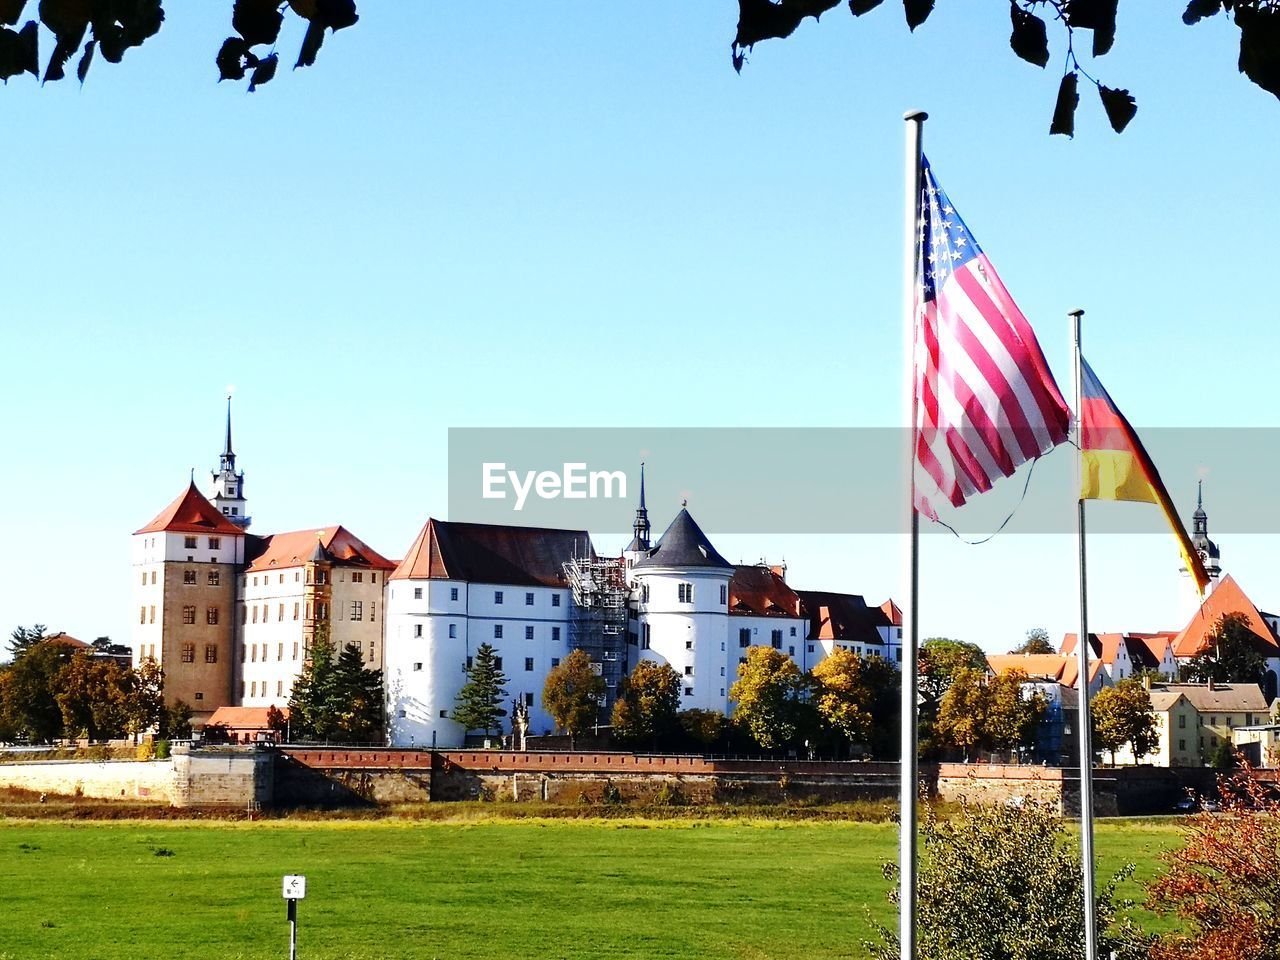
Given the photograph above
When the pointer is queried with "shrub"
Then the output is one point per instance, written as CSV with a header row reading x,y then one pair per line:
x,y
146,750
162,750
612,796
669,795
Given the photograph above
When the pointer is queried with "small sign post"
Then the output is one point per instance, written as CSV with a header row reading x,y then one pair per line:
x,y
295,889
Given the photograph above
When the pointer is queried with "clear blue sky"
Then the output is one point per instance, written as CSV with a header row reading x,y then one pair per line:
x,y
467,212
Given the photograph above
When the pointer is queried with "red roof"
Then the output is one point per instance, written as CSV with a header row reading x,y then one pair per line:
x,y
66,640
893,612
191,513
244,718
1227,597
492,553
761,590
336,545
1050,666
1104,646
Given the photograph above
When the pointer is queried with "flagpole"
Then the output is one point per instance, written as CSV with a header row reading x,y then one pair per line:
x,y
908,790
1084,721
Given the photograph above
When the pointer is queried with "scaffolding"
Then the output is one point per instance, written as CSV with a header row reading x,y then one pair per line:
x,y
598,619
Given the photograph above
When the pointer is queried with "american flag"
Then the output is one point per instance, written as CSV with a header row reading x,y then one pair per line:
x,y
985,399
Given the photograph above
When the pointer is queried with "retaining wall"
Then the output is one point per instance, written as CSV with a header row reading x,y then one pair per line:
x,y
146,780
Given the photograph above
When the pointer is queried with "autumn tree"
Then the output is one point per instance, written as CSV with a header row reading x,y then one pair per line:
x,y
1037,642
648,703
962,715
573,693
1222,883
1123,714
1014,712
705,728
766,697
1005,882
35,713
1231,654
175,721
145,708
479,704
93,697
23,639
844,693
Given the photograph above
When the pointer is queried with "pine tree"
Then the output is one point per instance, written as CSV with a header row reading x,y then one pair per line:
x,y
309,704
481,697
356,698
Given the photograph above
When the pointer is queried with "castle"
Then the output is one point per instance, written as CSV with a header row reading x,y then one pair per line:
x,y
230,615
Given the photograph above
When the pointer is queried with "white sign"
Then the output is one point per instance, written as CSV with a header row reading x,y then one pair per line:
x,y
295,888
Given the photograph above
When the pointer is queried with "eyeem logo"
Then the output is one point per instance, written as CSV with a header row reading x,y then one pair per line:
x,y
573,482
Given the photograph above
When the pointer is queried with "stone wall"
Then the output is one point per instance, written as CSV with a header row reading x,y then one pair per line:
x,y
223,777
132,780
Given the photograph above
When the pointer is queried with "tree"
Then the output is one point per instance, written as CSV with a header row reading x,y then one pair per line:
x,y
572,694
175,721
23,639
1037,642
35,713
1123,714
647,705
1013,715
145,707
355,704
765,696
1005,882
703,727
962,715
1231,654
277,722
479,702
940,659
1222,884
1257,20
93,697
309,702
843,695
113,28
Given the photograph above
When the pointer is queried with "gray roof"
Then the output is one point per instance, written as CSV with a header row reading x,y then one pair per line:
x,y
1221,698
683,545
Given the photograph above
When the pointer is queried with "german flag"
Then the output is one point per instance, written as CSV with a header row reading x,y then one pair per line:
x,y
1114,465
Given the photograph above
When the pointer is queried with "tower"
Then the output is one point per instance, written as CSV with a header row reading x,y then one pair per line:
x,y
228,485
1209,556
638,548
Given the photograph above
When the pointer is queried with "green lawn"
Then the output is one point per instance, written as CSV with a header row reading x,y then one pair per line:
x,y
697,889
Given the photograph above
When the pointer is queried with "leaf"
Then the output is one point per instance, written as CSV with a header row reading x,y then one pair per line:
x,y
311,42
766,20
68,20
1260,46
18,53
1119,105
917,12
258,21
1064,112
337,14
859,7
10,11
1030,39
1096,15
230,59
263,72
82,69
1197,10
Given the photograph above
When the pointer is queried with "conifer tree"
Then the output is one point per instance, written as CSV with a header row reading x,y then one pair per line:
x,y
356,699
481,697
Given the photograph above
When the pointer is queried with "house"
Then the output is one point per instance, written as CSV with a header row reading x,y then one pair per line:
x,y
1178,727
247,724
1229,597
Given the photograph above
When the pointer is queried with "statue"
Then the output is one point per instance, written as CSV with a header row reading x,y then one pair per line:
x,y
520,723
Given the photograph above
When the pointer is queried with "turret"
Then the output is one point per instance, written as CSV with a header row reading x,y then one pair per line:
x,y
228,485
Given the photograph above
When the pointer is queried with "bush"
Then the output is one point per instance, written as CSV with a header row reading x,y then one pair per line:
x,y
612,796
162,750
146,750
669,795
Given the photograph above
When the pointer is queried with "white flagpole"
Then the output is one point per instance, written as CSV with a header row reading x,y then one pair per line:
x,y
1084,720
908,790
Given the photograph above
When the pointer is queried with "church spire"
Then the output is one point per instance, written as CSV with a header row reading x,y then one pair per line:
x,y
641,525
228,483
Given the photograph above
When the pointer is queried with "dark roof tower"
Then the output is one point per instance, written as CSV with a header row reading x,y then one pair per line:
x,y
683,545
640,526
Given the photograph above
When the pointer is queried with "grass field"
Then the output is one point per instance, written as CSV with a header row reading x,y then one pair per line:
x,y
551,888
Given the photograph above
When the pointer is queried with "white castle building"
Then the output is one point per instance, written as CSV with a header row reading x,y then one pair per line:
x,y
230,616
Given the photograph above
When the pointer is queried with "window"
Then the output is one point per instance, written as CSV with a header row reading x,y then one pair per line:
x,y
528,699
244,652
724,593
417,629
295,611
742,660
688,644
453,631
357,609
253,688
497,631
555,661
200,696
417,593
793,631
215,578
279,652
469,662
279,688
1182,745
215,543
357,576
775,638
417,667
144,578
1182,721
373,610
295,650
555,599
497,662
188,615
255,613
644,593
189,542
555,634
897,654
142,614
685,591
528,633
453,593
688,671
528,599
188,653
497,596
188,576
280,614
373,577
211,616
281,578
644,637
744,637
444,714
253,653
528,663
688,691
210,653
791,651
153,576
